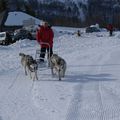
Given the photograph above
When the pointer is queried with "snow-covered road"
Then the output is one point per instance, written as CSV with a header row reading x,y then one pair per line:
x,y
89,91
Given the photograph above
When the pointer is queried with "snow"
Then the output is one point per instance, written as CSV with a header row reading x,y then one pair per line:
x,y
89,91
83,1
80,10
17,18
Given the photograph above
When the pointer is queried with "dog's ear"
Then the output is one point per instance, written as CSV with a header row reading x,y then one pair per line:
x,y
21,54
55,55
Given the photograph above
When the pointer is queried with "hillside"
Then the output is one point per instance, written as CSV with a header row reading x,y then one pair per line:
x,y
71,12
79,12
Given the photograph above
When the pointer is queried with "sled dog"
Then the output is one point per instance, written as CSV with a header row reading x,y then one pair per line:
x,y
30,65
58,65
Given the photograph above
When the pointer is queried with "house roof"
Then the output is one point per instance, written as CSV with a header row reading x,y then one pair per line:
x,y
17,18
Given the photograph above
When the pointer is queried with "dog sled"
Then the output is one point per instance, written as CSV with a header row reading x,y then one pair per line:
x,y
46,63
55,63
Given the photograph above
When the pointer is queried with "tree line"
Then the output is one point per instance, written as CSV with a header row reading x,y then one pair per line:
x,y
57,13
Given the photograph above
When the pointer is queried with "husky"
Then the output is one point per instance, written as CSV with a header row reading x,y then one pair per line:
x,y
58,65
30,65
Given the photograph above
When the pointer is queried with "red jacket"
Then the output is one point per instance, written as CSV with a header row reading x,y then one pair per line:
x,y
110,27
45,35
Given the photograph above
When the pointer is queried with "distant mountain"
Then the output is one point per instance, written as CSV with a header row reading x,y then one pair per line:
x,y
70,8
61,11
71,12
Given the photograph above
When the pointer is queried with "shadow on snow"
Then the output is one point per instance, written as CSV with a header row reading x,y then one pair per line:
x,y
83,78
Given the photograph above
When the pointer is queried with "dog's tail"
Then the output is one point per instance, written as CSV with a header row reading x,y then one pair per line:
x,y
21,54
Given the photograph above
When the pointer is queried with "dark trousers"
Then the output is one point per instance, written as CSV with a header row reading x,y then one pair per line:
x,y
111,32
43,52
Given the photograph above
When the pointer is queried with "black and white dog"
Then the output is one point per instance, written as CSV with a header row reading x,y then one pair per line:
x,y
30,65
58,65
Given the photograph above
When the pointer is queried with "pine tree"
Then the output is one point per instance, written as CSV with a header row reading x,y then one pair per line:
x,y
29,9
3,5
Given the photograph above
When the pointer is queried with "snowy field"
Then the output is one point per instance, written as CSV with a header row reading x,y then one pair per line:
x,y
89,91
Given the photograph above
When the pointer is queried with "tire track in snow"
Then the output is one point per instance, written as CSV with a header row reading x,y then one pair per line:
x,y
75,104
20,103
87,104
14,80
111,101
111,104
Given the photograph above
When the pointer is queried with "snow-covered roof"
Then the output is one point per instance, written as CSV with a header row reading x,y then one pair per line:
x,y
17,18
